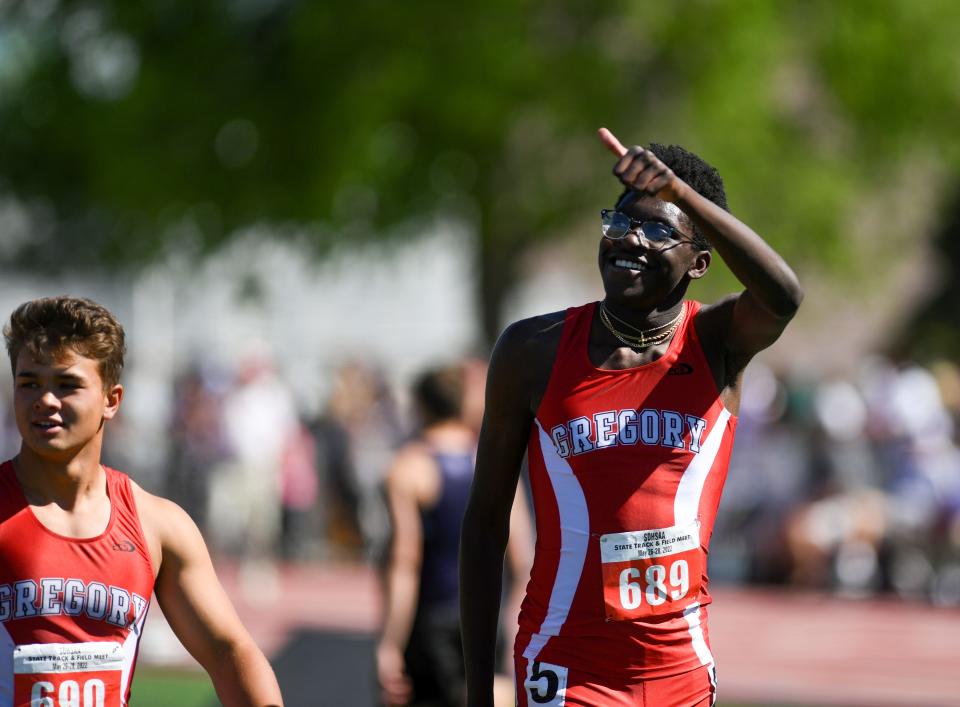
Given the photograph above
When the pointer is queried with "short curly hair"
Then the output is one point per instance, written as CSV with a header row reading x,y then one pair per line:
x,y
695,171
46,327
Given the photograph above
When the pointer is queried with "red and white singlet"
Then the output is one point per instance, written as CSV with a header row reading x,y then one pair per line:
x,y
627,468
71,610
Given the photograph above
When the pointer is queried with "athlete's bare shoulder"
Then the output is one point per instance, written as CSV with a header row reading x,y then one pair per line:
x,y
525,352
534,335
713,320
166,526
152,508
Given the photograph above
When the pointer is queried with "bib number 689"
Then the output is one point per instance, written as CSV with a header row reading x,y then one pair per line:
x,y
653,584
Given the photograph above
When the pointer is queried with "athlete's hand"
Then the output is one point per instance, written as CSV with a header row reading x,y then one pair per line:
x,y
396,690
641,170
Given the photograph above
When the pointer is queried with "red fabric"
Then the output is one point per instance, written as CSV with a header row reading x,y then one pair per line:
x,y
59,590
606,456
694,688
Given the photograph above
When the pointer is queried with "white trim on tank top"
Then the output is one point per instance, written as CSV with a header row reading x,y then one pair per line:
x,y
574,539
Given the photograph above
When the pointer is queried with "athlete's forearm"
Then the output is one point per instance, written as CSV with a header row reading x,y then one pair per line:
x,y
761,270
401,606
242,677
481,577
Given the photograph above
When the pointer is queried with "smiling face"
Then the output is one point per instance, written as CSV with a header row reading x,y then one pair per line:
x,y
643,275
60,404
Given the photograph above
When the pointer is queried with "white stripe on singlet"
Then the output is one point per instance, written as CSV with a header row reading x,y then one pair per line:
x,y
692,615
686,507
130,645
574,537
686,504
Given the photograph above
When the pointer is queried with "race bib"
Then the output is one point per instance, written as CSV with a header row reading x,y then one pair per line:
x,y
546,684
650,572
68,674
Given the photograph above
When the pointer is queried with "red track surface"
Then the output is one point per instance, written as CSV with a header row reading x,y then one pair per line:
x,y
818,650
772,647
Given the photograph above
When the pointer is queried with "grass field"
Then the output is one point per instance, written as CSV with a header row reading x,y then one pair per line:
x,y
153,687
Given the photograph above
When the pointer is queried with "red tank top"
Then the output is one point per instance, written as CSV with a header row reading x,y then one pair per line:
x,y
626,469
71,610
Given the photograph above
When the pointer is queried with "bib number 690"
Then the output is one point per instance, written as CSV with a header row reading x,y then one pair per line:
x,y
652,584
70,694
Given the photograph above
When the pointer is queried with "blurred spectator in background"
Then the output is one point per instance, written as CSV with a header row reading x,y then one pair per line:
x,y
834,536
299,493
474,391
356,437
9,437
197,441
847,483
259,420
419,657
338,520
201,450
915,436
768,477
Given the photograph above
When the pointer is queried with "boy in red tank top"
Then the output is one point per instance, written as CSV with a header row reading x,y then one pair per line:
x,y
626,410
83,548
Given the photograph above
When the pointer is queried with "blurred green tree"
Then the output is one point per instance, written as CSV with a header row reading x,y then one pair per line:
x,y
128,130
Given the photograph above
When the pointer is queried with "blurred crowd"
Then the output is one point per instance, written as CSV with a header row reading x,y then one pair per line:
x,y
847,483
264,480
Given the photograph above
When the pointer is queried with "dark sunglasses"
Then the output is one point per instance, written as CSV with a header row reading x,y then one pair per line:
x,y
616,225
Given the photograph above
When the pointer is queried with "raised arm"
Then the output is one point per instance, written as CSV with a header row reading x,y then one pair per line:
x,y
503,439
199,611
753,320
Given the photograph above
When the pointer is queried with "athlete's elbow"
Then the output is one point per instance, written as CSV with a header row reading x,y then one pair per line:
x,y
786,305
791,296
793,300
784,300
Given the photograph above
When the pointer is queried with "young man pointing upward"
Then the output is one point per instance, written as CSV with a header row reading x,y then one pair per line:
x,y
626,409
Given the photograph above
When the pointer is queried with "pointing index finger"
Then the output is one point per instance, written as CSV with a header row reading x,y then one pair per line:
x,y
610,141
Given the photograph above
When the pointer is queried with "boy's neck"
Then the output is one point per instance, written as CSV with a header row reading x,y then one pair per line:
x,y
62,481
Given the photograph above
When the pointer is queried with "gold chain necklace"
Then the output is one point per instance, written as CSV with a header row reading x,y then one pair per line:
x,y
647,333
646,338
